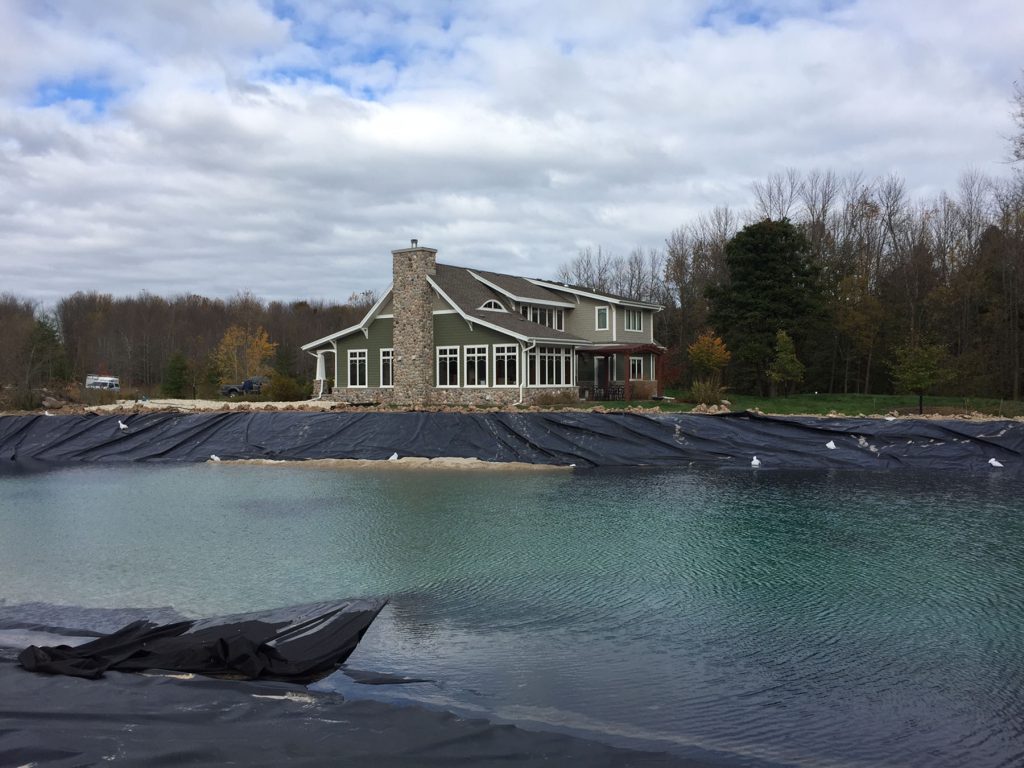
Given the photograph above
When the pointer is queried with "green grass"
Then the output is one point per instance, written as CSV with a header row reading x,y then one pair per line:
x,y
847,405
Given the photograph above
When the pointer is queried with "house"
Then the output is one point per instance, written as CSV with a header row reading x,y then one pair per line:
x,y
444,335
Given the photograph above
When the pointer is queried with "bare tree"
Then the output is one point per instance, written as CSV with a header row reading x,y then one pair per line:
x,y
777,195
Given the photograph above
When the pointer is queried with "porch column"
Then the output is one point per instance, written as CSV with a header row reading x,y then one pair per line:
x,y
321,374
627,389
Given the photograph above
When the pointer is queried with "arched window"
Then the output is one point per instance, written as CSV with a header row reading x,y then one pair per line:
x,y
492,305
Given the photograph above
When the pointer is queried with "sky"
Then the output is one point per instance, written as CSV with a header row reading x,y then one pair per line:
x,y
284,148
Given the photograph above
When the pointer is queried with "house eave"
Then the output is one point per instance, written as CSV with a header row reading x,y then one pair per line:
x,y
596,296
360,326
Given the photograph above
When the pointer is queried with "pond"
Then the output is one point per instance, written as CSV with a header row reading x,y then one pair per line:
x,y
778,617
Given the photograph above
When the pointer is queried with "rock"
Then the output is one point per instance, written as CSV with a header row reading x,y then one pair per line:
x,y
726,404
49,402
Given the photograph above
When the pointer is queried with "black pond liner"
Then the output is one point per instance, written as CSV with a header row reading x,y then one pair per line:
x,y
131,719
584,439
298,644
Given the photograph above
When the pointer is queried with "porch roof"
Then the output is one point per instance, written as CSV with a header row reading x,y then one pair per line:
x,y
623,348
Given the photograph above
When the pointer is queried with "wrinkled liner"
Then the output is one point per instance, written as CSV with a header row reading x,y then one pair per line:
x,y
299,644
559,438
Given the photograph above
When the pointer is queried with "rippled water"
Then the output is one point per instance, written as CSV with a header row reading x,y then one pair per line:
x,y
808,619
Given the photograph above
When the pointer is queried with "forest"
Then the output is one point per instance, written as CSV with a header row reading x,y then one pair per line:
x,y
867,274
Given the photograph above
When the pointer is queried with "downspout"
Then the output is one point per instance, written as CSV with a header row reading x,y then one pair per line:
x,y
522,374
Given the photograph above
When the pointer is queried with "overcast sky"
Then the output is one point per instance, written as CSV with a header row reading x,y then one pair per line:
x,y
285,148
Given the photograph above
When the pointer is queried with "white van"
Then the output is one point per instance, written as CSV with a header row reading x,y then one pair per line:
x,y
112,383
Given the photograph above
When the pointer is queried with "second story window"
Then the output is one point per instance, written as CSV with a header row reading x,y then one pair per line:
x,y
549,316
601,318
634,320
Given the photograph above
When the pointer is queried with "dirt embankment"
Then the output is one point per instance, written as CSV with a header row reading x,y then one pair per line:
x,y
186,406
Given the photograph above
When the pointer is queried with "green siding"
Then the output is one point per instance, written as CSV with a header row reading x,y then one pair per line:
x,y
581,321
380,337
452,330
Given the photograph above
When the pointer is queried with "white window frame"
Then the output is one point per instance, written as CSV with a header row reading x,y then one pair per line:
x,y
357,356
639,361
636,314
549,317
388,354
597,317
550,364
482,352
491,305
448,354
506,352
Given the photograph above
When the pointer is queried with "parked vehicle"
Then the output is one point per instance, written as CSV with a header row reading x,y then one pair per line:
x,y
95,381
250,386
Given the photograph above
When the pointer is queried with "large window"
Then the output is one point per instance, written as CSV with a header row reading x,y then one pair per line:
x,y
447,366
476,366
634,320
549,316
636,368
387,367
601,318
506,365
357,367
550,367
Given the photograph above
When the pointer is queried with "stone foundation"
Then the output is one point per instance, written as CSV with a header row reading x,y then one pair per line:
x,y
481,398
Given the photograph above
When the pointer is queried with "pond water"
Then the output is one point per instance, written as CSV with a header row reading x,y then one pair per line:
x,y
808,619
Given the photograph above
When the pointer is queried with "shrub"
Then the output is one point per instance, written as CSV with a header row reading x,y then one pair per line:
x,y
707,391
558,397
284,388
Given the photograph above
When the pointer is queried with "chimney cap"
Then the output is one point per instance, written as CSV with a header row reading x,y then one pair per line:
x,y
415,242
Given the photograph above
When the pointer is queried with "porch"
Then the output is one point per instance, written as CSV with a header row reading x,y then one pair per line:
x,y
619,372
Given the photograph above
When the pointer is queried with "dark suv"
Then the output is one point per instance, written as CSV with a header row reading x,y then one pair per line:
x,y
250,386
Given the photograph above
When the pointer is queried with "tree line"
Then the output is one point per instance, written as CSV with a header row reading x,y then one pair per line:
x,y
853,270
184,345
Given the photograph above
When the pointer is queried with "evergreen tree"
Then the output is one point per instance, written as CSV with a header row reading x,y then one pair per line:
x,y
176,377
786,369
772,285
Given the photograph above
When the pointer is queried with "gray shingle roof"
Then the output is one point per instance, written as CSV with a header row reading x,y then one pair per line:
x,y
469,294
521,287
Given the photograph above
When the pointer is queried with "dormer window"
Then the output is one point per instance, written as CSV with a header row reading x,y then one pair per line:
x,y
549,316
493,306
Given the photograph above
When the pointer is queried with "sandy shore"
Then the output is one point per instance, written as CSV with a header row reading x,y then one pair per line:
x,y
187,405
410,462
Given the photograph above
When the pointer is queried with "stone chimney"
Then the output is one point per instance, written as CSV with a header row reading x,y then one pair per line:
x,y
413,342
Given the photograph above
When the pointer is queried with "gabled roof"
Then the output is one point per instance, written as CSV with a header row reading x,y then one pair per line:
x,y
467,290
361,325
466,294
520,289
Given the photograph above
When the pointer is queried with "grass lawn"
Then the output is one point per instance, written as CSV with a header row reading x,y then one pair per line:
x,y
847,405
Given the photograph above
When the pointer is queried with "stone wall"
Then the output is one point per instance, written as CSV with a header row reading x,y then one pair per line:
x,y
413,339
479,397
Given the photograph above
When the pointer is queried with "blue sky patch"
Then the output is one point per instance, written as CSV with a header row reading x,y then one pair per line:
x,y
96,91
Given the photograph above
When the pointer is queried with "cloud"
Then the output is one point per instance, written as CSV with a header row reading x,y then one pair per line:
x,y
286,148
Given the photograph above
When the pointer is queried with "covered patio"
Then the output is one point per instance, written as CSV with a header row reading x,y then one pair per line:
x,y
610,371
